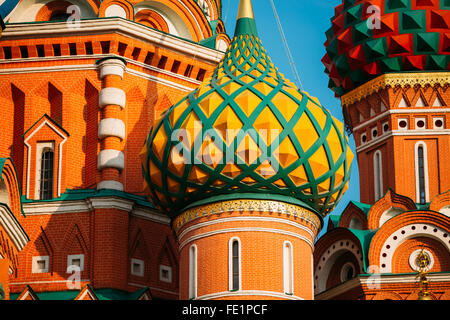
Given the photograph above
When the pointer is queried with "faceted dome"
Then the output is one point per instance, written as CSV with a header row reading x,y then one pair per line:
x,y
246,130
372,37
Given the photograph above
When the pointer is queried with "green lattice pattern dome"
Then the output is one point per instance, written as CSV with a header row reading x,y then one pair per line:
x,y
246,130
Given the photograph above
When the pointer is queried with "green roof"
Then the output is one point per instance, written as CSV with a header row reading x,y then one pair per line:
x,y
101,294
363,207
365,238
82,194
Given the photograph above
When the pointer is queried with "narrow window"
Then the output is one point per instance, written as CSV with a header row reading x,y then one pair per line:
x,y
421,173
378,175
193,272
46,181
235,265
288,268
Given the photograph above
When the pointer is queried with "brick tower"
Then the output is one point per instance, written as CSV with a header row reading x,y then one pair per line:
x,y
246,166
388,62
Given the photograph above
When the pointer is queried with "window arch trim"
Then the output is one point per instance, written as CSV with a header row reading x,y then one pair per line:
x,y
231,259
423,145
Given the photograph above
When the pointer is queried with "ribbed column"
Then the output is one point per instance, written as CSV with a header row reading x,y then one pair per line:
x,y
111,130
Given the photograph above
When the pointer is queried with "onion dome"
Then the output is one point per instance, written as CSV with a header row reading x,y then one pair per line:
x,y
246,130
372,37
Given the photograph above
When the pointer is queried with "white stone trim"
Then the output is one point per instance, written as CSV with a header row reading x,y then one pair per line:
x,y
402,133
72,257
12,227
425,168
67,207
43,282
378,174
112,96
399,111
111,158
34,264
230,263
141,265
326,262
111,127
113,25
40,147
45,122
288,268
193,268
111,203
112,66
169,273
245,219
88,67
381,279
249,229
110,184
241,293
397,238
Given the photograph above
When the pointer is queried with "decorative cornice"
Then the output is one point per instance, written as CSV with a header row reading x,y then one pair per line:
x,y
378,279
247,206
395,80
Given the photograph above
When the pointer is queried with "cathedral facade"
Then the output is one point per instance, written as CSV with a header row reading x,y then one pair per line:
x,y
149,155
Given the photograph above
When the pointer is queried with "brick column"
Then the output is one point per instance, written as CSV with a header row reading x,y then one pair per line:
x,y
111,130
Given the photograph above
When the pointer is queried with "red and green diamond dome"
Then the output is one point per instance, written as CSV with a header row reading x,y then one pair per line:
x,y
372,37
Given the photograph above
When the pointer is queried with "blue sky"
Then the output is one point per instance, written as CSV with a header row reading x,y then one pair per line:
x,y
304,23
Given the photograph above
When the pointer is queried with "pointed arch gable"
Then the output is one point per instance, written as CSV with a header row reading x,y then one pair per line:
x,y
390,200
45,129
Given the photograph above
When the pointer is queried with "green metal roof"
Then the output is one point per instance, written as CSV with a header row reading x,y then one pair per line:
x,y
82,194
101,294
365,238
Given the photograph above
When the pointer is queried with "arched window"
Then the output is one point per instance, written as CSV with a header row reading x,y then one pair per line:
x,y
46,174
421,165
288,268
378,175
234,264
193,272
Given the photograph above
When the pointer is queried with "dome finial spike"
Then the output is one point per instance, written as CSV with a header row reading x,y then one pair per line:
x,y
245,9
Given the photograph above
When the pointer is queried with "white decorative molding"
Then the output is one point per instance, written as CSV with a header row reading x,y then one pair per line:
x,y
12,227
232,230
328,258
111,127
114,10
381,279
400,111
425,169
112,66
141,267
408,232
231,263
111,203
402,133
112,96
70,261
111,185
60,156
241,293
37,268
111,158
245,219
117,26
